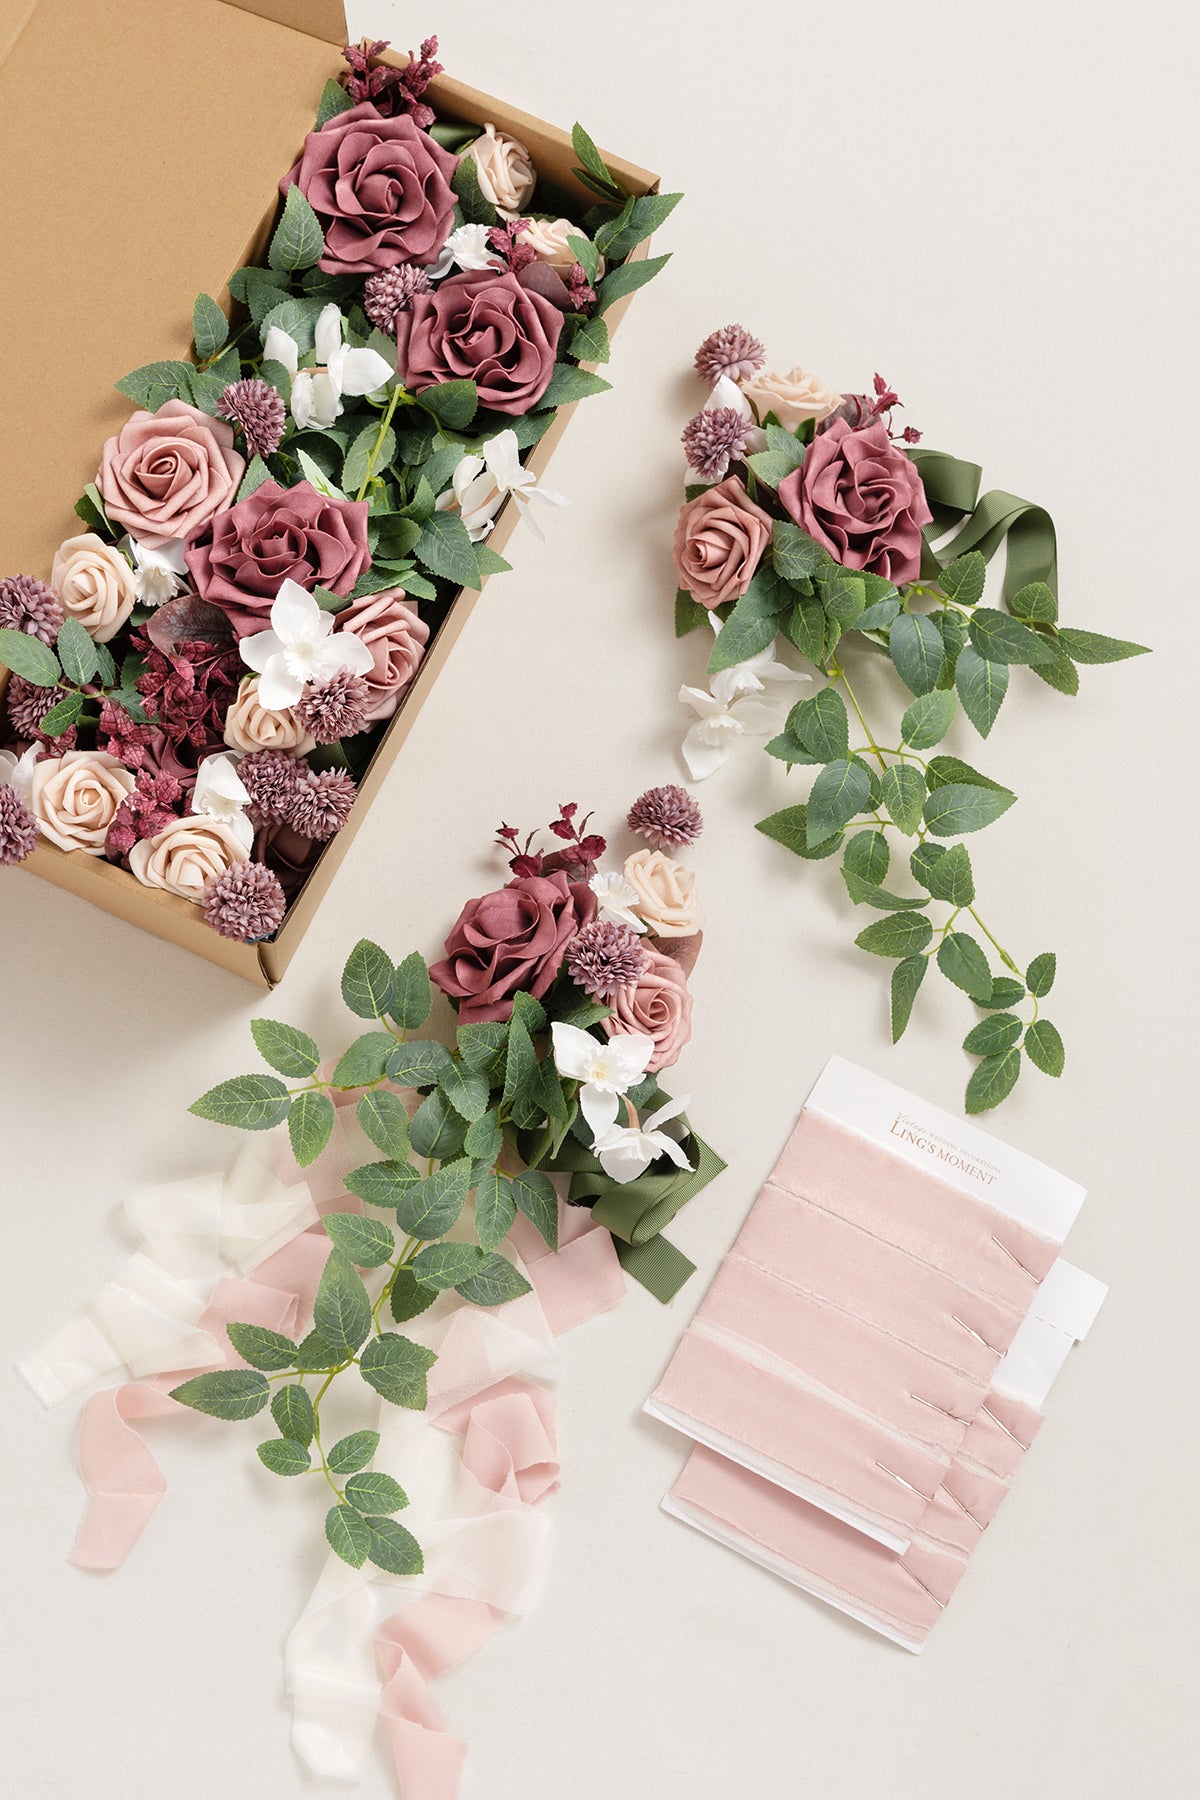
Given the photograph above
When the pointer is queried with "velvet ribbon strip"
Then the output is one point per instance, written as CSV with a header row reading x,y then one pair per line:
x,y
952,490
368,1644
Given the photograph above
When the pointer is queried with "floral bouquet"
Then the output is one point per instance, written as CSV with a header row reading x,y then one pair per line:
x,y
812,521
274,536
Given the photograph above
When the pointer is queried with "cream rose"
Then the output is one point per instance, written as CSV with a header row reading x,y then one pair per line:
x,y
185,855
793,397
666,894
94,583
506,173
249,725
547,238
75,797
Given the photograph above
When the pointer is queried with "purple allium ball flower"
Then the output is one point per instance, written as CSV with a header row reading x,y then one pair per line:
x,y
245,902
271,778
336,708
257,408
30,606
321,804
604,958
18,827
29,704
390,291
666,816
714,439
731,351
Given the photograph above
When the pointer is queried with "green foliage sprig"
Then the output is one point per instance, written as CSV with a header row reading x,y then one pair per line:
x,y
877,799
383,1271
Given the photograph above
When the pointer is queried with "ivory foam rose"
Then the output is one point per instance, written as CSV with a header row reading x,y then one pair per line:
x,y
186,854
793,398
95,584
74,798
505,168
249,725
547,238
666,893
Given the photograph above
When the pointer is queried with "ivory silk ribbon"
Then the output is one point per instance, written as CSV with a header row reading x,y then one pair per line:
x,y
476,1484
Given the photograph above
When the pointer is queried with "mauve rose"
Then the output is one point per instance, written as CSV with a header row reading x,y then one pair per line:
x,y
241,558
396,636
719,542
860,496
657,1003
481,326
513,939
167,472
381,189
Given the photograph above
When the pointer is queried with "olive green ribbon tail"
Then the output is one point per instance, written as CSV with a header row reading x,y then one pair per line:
x,y
636,1212
1027,530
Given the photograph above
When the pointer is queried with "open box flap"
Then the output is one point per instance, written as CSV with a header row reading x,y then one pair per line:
x,y
325,19
140,145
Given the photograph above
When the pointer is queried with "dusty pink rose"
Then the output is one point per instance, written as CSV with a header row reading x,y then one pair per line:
x,y
513,939
719,542
396,636
241,558
482,326
381,189
657,1003
167,472
860,496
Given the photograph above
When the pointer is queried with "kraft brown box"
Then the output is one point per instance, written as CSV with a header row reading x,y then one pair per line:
x,y
142,143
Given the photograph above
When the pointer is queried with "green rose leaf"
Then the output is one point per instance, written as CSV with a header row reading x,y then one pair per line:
x,y
626,279
495,1210
496,1282
431,1206
476,209
485,1139
903,789
390,1546
452,403
946,872
784,452
352,1453
436,1129
418,1064
640,217
310,1122
292,1411
225,1393
844,598
467,1092
953,811
366,1242
520,1067
796,555
981,686
789,827
61,717
412,996
899,934
261,1348
76,652
442,1266
1039,976
375,1492
689,614
1005,992
1044,1047
585,254
590,342
408,1299
1035,603
962,580
790,750
568,384
210,327
907,977
1088,646
382,1184
535,1196
30,658
251,1102
368,980
347,1535
367,456
342,1310
915,644
290,1051
750,628
1001,639
365,1060
874,895
804,625
445,548
313,1353
397,1369
963,962
945,770
822,725
298,241
993,1081
482,1046
993,1035
283,1456
841,790
334,99
1060,674
928,719
384,1118
867,856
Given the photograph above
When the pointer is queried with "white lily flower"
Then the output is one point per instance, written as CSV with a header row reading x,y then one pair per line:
x,y
730,708
221,794
481,484
158,575
317,393
301,647
617,899
17,771
606,1067
627,1151
467,247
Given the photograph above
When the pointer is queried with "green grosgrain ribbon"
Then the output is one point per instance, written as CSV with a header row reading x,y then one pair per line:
x,y
636,1212
952,490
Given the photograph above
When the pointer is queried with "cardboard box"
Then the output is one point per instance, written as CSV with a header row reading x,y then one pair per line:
x,y
142,145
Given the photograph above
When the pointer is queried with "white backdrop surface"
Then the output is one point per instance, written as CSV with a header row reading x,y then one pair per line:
x,y
994,209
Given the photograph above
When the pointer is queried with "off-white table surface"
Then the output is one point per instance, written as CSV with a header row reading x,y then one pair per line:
x,y
995,208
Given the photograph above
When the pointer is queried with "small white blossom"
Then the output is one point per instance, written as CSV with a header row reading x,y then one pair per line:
x,y
734,705
158,575
467,247
627,1151
301,647
617,899
221,794
481,484
317,393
